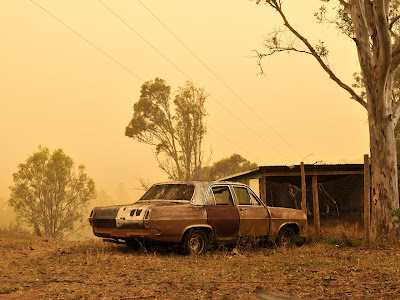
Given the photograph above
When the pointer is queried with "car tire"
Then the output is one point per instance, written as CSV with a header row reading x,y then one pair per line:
x,y
286,238
194,242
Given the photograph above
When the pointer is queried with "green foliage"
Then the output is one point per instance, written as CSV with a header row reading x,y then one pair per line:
x,y
227,166
5,290
176,130
396,214
321,50
49,195
359,84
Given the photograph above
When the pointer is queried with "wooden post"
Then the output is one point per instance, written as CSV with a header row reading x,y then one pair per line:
x,y
303,189
367,202
317,224
263,189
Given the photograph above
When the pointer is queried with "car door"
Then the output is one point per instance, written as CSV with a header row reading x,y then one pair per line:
x,y
222,214
254,217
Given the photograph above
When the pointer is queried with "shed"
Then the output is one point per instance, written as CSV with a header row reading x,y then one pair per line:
x,y
339,189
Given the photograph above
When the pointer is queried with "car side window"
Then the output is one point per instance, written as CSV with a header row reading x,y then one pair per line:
x,y
244,197
210,199
222,195
254,200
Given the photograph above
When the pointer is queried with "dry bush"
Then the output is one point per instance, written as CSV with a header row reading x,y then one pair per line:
x,y
15,228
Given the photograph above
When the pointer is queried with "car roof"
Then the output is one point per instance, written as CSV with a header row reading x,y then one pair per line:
x,y
201,188
201,182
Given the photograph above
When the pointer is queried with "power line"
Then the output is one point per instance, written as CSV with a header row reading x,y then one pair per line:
x,y
218,78
147,42
87,41
182,72
110,57
255,157
138,77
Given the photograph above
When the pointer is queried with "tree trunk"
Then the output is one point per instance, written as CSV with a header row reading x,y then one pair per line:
x,y
384,193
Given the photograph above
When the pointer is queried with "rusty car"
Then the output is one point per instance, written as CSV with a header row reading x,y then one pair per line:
x,y
196,214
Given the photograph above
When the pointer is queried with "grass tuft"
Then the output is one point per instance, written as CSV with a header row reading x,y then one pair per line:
x,y
5,290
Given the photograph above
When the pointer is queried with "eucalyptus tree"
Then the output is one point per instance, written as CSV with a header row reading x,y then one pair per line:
x,y
175,128
49,194
373,25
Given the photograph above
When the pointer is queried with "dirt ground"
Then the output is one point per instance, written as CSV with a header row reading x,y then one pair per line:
x,y
38,268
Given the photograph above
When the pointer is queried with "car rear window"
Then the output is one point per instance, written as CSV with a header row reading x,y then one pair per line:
x,y
169,192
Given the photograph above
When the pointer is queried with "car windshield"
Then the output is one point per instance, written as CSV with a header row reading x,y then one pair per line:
x,y
169,192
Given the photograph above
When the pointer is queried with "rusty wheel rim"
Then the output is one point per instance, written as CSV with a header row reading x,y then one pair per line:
x,y
196,244
287,239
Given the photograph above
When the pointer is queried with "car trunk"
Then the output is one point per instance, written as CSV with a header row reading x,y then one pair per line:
x,y
128,216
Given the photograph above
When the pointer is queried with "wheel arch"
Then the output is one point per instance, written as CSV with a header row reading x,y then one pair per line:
x,y
207,229
292,225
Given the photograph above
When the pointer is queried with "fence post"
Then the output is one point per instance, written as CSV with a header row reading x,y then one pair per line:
x,y
367,202
263,189
303,189
317,224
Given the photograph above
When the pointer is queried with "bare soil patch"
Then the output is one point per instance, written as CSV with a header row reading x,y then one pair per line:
x,y
37,268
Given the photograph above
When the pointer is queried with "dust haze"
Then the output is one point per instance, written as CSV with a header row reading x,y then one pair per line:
x,y
59,90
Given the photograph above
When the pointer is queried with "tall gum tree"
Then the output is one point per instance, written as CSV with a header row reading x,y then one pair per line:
x,y
373,26
174,128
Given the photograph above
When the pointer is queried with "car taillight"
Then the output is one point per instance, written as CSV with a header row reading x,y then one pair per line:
x,y
146,215
146,218
91,218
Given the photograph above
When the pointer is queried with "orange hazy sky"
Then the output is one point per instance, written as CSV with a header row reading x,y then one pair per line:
x,y
59,90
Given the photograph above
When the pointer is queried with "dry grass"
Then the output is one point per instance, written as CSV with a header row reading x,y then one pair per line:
x,y
313,271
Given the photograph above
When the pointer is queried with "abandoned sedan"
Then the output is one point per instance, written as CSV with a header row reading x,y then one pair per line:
x,y
195,214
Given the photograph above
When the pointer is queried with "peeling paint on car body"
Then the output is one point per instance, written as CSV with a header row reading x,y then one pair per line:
x,y
131,216
217,208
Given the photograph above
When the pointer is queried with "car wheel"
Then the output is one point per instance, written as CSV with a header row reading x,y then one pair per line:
x,y
286,237
194,242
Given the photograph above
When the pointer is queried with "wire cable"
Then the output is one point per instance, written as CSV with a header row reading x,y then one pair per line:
x,y
87,41
187,76
220,134
218,78
113,59
141,79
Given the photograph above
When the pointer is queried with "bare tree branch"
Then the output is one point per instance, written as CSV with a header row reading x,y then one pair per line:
x,y
345,4
312,51
394,20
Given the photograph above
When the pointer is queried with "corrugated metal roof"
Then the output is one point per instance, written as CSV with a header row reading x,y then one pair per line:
x,y
296,169
316,165
239,174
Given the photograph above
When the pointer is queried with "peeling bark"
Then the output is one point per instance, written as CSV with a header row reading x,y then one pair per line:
x,y
378,49
375,56
384,193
